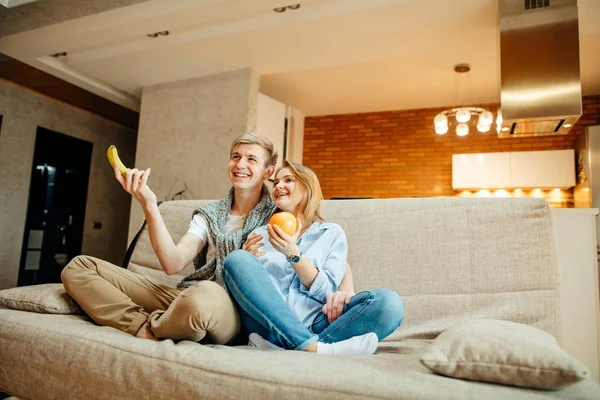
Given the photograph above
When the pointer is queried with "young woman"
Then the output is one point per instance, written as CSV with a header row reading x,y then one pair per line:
x,y
282,289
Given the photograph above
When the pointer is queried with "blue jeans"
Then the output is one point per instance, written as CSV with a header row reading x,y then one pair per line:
x,y
262,310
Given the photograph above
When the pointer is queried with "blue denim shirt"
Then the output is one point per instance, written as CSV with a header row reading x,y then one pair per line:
x,y
325,245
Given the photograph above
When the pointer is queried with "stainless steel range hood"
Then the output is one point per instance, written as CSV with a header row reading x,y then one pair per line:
x,y
539,63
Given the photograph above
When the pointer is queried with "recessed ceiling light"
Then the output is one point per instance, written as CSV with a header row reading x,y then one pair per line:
x,y
290,7
567,125
505,129
157,34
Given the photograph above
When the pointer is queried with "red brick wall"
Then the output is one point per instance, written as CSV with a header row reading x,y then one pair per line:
x,y
398,154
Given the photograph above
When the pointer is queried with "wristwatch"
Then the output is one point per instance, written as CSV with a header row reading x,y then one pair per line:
x,y
294,258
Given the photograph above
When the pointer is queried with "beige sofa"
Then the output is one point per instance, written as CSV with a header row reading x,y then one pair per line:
x,y
448,258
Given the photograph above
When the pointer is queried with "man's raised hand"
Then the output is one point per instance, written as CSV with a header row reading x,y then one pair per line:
x,y
134,182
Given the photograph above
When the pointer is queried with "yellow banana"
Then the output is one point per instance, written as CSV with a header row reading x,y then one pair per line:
x,y
113,158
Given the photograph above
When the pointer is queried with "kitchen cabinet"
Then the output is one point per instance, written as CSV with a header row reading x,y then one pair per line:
x,y
524,169
481,171
576,246
542,169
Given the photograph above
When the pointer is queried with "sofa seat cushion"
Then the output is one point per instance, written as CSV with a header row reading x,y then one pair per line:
x,y
69,357
49,298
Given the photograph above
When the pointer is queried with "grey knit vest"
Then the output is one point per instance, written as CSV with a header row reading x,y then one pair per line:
x,y
225,242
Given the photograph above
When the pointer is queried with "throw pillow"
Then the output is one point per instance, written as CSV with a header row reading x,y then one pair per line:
x,y
48,298
502,352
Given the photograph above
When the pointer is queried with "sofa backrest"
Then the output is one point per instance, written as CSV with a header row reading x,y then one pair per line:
x,y
177,215
449,258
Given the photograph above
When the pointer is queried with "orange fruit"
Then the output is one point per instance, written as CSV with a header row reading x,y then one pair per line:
x,y
286,221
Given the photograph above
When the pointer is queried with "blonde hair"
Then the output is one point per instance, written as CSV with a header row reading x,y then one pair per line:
x,y
251,138
310,206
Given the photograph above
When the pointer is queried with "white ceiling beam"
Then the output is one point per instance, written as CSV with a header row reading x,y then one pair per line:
x,y
61,69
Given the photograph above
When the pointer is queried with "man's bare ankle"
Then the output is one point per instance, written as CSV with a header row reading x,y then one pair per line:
x,y
145,332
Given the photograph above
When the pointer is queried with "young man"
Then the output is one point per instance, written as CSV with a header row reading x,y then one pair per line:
x,y
199,308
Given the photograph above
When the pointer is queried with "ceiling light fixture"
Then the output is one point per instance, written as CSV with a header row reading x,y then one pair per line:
x,y
462,115
61,54
567,125
279,9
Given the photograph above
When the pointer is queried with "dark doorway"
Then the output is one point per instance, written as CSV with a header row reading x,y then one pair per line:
x,y
56,208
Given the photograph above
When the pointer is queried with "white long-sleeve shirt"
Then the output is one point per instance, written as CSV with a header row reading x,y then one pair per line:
x,y
325,245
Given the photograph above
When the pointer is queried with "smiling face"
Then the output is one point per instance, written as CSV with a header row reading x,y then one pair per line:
x,y
288,193
248,166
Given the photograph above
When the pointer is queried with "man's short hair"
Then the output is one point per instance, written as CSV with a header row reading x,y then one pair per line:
x,y
251,138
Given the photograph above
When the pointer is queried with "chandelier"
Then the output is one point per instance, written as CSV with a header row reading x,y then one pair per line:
x,y
463,117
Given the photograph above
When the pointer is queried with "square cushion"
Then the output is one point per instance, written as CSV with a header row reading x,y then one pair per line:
x,y
502,352
48,298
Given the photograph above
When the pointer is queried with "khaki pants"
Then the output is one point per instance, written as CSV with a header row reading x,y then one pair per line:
x,y
122,299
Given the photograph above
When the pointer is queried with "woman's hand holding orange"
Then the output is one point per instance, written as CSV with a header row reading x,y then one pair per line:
x,y
283,242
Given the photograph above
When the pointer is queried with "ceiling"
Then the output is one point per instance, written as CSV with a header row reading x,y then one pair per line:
x,y
44,83
327,57
38,13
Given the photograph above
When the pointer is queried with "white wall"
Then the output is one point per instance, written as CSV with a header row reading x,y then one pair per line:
x,y
270,123
295,149
575,231
185,134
